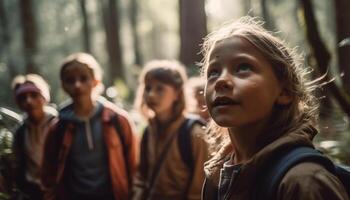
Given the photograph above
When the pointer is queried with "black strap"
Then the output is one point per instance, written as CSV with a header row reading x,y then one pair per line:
x,y
274,171
116,122
185,141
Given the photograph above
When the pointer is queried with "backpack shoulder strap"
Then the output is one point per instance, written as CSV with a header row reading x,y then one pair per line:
x,y
60,129
274,172
116,123
185,140
343,173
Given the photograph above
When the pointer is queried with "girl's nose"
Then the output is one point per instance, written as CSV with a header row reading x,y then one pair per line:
x,y
28,99
151,93
225,81
77,83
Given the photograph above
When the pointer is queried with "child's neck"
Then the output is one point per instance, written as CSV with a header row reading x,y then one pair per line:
x,y
36,118
163,117
83,108
244,144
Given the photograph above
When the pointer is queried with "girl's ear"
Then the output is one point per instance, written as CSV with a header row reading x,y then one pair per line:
x,y
96,82
284,98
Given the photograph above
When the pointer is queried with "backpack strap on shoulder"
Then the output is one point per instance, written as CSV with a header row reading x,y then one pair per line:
x,y
185,140
273,173
144,152
116,123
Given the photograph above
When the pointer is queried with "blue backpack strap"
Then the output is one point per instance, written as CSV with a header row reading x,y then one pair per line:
x,y
185,140
274,171
343,173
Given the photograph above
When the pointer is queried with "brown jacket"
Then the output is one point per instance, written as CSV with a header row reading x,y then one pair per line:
x,y
57,148
306,180
173,179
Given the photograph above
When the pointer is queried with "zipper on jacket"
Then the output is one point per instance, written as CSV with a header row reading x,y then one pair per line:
x,y
89,134
234,175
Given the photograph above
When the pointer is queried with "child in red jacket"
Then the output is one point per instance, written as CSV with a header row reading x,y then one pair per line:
x,y
91,152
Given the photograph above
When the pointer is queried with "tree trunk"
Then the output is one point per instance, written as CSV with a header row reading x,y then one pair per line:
x,y
322,56
5,38
247,7
86,29
269,25
136,44
29,35
342,14
112,28
193,29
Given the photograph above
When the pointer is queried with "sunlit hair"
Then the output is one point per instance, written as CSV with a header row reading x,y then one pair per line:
x,y
287,67
34,79
167,72
195,87
84,60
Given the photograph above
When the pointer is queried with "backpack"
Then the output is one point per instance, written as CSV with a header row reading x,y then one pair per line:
x,y
185,147
114,122
274,173
184,140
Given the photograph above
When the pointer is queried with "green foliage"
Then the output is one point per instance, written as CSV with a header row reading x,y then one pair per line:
x,y
122,89
6,160
6,139
4,196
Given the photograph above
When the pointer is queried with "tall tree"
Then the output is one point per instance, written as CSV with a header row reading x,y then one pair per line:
x,y
29,26
247,7
86,29
269,23
193,28
5,41
322,56
342,14
133,20
111,19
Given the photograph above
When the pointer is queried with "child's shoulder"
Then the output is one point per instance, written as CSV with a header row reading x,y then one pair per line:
x,y
113,109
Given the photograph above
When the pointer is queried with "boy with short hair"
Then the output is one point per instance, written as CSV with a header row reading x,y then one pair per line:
x,y
32,95
91,153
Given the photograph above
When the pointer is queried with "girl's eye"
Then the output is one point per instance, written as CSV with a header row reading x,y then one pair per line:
x,y
147,88
244,67
213,73
84,79
69,80
159,88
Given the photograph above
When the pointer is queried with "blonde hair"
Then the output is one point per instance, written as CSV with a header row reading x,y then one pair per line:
x,y
87,60
195,87
168,72
34,79
287,67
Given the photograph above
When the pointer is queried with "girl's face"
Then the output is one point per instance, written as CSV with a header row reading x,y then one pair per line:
x,y
78,81
159,97
241,87
32,103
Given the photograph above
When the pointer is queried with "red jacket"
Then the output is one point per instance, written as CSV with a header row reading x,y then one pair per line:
x,y
57,148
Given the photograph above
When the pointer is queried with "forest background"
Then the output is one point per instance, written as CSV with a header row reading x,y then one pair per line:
x,y
35,36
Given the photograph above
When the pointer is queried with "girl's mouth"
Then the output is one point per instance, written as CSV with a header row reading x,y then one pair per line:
x,y
224,101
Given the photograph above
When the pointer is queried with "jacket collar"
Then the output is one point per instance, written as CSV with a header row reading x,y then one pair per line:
x,y
248,172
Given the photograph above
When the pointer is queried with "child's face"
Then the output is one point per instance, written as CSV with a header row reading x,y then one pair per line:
x,y
78,81
32,103
241,87
159,97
